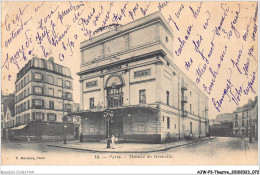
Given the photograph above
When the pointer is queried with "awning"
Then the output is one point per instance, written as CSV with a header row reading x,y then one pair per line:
x,y
18,127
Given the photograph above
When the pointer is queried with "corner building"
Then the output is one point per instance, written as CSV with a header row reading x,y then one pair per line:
x,y
131,73
43,96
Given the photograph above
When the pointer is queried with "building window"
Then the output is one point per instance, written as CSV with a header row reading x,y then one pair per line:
x,y
59,93
191,127
190,93
38,90
67,84
91,128
142,97
50,79
168,122
59,82
175,126
51,104
141,127
190,108
247,123
51,92
166,39
142,73
243,123
60,106
37,116
247,114
68,96
115,96
68,107
37,103
236,124
91,103
51,117
22,83
24,80
38,77
28,103
91,84
167,97
236,116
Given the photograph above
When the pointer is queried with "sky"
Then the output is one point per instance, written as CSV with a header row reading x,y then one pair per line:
x,y
219,37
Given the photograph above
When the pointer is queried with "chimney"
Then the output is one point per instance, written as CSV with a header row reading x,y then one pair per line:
x,y
51,59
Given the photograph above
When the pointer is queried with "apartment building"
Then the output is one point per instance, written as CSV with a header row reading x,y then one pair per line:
x,y
43,92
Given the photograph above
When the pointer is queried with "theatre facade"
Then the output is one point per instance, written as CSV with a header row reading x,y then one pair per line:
x,y
131,87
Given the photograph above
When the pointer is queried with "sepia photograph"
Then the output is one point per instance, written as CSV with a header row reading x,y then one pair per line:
x,y
129,83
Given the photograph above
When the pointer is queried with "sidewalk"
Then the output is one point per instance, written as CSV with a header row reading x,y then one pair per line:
x,y
123,147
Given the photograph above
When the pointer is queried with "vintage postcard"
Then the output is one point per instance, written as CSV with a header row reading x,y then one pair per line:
x,y
129,83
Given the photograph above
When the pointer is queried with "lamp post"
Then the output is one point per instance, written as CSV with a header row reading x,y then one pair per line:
x,y
108,115
65,134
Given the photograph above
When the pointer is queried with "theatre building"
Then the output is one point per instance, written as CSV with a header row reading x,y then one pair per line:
x,y
131,87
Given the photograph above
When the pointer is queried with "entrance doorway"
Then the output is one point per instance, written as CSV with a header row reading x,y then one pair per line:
x,y
115,126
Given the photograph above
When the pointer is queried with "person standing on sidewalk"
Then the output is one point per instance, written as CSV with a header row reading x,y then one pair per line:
x,y
113,142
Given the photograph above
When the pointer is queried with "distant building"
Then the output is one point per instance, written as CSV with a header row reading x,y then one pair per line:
x,y
7,114
131,87
43,94
222,129
245,119
224,118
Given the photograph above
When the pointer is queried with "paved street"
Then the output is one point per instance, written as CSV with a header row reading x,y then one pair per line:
x,y
217,151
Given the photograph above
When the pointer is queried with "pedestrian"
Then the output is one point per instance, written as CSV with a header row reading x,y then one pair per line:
x,y
81,137
116,140
108,142
113,142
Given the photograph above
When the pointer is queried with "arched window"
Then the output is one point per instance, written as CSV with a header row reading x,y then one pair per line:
x,y
114,85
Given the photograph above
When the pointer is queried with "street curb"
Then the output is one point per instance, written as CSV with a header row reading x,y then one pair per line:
x,y
158,150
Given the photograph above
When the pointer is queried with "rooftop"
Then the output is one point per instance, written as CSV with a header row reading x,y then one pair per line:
x,y
43,64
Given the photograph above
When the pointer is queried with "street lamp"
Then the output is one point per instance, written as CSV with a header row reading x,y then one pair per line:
x,y
65,134
108,115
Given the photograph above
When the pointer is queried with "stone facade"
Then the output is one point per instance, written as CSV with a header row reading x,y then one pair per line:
x,y
131,72
43,93
245,119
